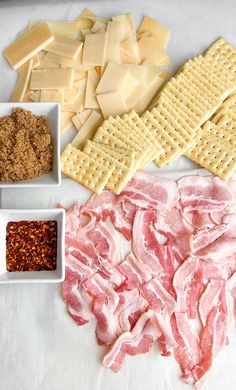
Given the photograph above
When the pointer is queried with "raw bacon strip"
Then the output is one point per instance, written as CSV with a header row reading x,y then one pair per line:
x,y
149,191
105,242
222,247
187,352
204,237
205,194
79,304
213,296
107,205
164,305
135,272
104,305
182,281
73,220
131,304
213,338
141,240
140,340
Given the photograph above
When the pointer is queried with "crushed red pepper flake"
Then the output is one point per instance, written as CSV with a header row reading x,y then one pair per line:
x,y
31,246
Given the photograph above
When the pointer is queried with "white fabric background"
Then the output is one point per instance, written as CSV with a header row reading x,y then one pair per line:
x,y
41,348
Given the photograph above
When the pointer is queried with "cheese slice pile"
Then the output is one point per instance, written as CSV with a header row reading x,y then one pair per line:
x,y
95,67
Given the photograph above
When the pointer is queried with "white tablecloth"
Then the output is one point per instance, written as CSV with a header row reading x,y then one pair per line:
x,y
41,348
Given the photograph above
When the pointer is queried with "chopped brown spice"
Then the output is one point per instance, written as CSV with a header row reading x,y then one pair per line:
x,y
26,149
31,246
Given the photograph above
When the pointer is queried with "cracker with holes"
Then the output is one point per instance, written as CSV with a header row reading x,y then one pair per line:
x,y
213,151
123,156
121,174
108,134
85,170
133,122
224,53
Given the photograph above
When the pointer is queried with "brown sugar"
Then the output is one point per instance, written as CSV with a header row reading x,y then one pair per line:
x,y
26,149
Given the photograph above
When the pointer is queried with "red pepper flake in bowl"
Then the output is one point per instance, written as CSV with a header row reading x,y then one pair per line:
x,y
31,246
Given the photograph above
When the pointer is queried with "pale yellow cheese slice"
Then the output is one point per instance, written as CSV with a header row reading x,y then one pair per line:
x,y
113,42
81,118
113,78
140,72
149,52
65,47
152,27
52,79
47,65
71,94
66,122
112,103
28,45
59,60
76,106
36,61
34,96
98,26
87,131
22,82
79,76
52,95
91,85
67,29
128,36
95,49
81,85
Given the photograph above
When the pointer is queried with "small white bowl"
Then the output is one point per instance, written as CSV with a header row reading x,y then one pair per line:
x,y
52,112
7,215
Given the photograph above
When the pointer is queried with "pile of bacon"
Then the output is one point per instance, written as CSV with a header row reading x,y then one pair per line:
x,y
179,271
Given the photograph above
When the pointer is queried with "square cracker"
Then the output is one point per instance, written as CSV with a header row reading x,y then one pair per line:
x,y
212,153
84,169
224,53
120,175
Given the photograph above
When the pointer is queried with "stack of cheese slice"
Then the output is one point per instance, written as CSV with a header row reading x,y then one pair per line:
x,y
94,67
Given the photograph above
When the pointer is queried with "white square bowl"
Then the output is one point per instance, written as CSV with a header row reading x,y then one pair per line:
x,y
52,112
10,215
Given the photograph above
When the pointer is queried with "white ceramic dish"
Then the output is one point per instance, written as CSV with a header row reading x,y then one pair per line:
x,y
52,111
10,215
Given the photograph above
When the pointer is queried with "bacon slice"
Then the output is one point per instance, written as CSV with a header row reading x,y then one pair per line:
x,y
206,236
105,301
213,338
163,304
187,352
141,240
104,240
73,220
204,194
149,191
213,296
139,340
108,205
79,304
135,272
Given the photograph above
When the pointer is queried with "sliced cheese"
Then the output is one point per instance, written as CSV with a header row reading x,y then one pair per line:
x,y
66,120
23,79
84,22
65,28
113,78
28,45
91,85
36,61
81,85
113,42
34,96
52,79
112,103
129,85
59,60
94,49
47,65
152,27
76,106
87,131
52,95
128,36
70,95
65,47
98,26
80,119
149,52
140,72
80,76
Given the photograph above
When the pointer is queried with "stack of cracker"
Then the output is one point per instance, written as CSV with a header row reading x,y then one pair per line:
x,y
215,145
120,147
194,114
